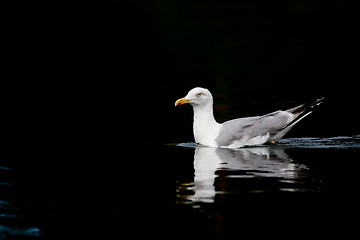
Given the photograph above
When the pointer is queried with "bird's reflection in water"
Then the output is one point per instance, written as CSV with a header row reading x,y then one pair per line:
x,y
216,171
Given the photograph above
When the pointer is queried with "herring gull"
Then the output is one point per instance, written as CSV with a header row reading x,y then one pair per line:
x,y
240,132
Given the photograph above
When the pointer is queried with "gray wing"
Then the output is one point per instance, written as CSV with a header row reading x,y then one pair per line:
x,y
251,127
276,124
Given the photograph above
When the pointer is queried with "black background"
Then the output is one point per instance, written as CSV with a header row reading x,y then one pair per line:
x,y
82,71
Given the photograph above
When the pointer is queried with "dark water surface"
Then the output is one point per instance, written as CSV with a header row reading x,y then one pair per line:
x,y
188,190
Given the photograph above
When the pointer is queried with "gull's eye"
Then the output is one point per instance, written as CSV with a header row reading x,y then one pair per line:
x,y
199,94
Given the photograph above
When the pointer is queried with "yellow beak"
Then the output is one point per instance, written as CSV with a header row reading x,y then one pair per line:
x,y
181,101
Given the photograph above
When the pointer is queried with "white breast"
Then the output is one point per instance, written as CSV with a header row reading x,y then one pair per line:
x,y
206,134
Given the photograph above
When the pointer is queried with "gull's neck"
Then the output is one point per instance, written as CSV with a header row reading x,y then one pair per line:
x,y
203,114
205,126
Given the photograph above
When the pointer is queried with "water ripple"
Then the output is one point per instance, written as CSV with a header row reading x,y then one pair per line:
x,y
6,232
10,213
340,142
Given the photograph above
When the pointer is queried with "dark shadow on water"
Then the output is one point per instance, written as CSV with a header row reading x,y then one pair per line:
x,y
299,178
267,168
220,171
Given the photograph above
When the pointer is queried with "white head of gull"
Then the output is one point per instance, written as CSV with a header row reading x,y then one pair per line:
x,y
240,132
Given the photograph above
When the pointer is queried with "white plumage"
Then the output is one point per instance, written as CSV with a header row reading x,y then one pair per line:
x,y
241,131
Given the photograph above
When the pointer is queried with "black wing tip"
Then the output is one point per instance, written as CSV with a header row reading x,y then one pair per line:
x,y
317,102
304,110
306,107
